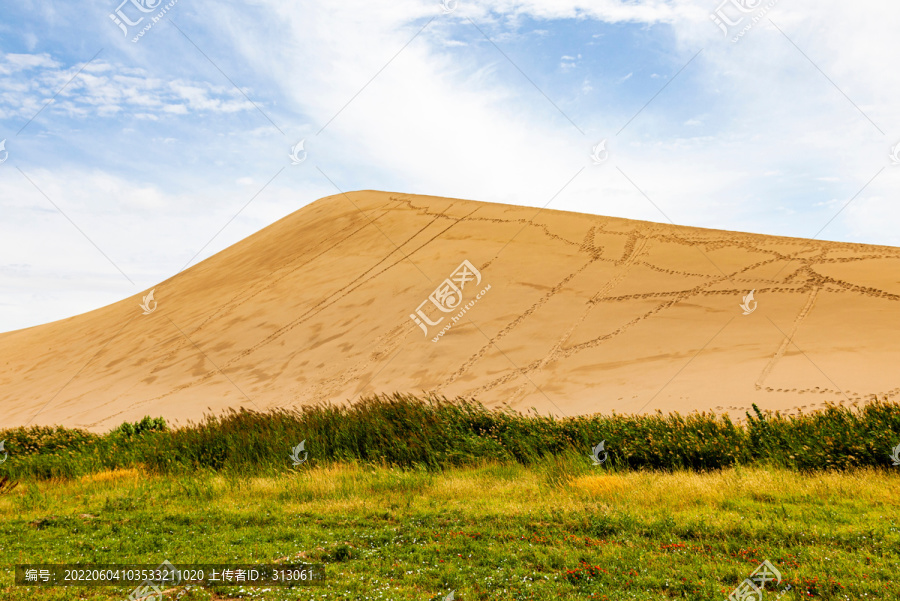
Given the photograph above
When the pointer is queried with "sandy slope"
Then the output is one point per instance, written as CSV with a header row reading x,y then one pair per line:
x,y
580,314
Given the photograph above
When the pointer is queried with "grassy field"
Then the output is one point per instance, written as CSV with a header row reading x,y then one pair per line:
x,y
406,498
558,530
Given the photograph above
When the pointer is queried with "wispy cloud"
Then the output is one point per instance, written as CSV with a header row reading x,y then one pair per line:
x,y
103,89
154,137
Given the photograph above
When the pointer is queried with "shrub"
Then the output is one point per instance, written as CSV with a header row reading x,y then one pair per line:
x,y
434,433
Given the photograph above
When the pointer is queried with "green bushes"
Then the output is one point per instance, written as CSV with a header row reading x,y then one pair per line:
x,y
45,440
433,432
832,438
148,424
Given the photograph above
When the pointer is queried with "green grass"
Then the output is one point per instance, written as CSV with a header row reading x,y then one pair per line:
x,y
495,531
407,498
435,433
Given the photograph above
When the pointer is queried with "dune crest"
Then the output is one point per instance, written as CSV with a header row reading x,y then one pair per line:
x,y
564,312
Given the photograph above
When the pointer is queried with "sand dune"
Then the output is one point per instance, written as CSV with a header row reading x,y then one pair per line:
x,y
564,312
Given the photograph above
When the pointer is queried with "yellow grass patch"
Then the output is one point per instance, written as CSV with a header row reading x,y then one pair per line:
x,y
110,475
599,485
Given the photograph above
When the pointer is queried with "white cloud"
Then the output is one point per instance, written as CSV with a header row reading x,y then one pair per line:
x,y
13,63
610,11
750,136
436,122
51,269
101,89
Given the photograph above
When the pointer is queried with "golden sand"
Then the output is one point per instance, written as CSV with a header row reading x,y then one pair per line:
x,y
577,314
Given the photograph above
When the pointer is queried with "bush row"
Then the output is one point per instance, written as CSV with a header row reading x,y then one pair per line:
x,y
434,432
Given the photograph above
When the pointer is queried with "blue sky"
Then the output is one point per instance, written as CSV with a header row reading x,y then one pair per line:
x,y
128,161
